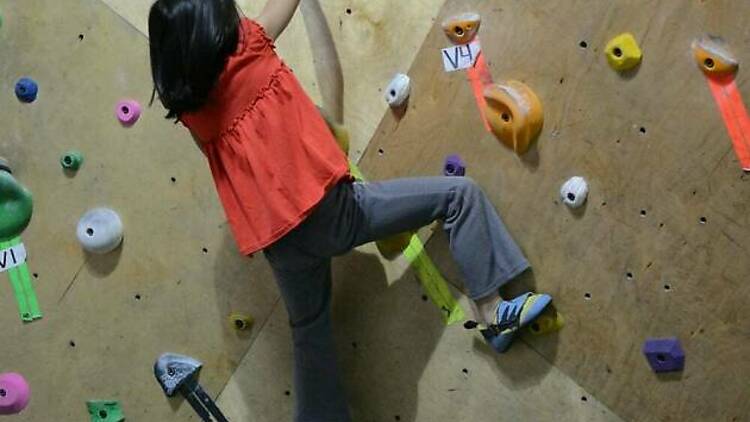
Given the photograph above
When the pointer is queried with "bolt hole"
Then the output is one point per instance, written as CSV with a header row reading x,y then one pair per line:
x,y
667,287
643,213
36,275
505,117
571,196
424,298
2,393
348,11
661,358
137,297
90,232
450,169
584,398
205,250
459,31
380,151
125,109
587,296
103,414
393,93
171,372
72,343
629,276
583,44
239,324
287,393
604,204
617,52
703,220
709,63
80,37
354,344
68,160
397,417
173,179
562,80
642,130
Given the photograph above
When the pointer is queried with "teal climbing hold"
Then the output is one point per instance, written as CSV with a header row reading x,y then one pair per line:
x,y
16,205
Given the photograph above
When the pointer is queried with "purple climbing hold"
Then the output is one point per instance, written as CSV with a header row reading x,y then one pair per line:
x,y
128,112
664,354
454,166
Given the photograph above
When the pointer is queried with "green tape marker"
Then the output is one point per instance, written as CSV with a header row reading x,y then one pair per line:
x,y
105,411
432,281
23,290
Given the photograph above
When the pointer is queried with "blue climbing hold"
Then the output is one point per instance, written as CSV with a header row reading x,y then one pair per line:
x,y
26,90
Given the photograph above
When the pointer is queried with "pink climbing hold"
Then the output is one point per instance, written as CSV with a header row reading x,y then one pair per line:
x,y
14,393
128,112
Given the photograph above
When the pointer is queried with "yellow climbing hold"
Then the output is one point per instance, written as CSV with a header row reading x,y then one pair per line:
x,y
241,322
392,247
514,113
462,29
713,56
623,52
548,322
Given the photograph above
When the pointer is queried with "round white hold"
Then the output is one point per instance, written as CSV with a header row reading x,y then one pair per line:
x,y
574,192
100,231
398,90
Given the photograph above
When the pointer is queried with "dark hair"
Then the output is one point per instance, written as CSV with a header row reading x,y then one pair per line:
x,y
190,41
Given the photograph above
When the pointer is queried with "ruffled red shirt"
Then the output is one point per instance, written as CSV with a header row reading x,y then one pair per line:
x,y
271,154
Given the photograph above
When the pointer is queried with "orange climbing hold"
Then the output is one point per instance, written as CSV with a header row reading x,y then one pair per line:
x,y
514,113
713,55
462,29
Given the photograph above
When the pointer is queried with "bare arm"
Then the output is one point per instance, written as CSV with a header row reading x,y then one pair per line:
x,y
276,16
326,59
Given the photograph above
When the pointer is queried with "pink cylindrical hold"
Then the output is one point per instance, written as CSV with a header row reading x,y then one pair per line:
x,y
128,112
14,393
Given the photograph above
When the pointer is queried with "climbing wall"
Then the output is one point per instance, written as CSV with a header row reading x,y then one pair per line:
x,y
177,276
661,247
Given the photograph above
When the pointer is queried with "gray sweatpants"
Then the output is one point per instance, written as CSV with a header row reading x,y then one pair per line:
x,y
352,214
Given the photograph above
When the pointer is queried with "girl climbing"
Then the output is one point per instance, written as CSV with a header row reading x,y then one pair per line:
x,y
287,191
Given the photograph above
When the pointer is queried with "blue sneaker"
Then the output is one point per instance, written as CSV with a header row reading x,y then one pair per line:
x,y
513,315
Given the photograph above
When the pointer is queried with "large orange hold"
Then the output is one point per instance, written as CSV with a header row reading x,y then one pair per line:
x,y
514,113
462,29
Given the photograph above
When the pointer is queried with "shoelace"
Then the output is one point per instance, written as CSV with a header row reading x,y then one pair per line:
x,y
509,314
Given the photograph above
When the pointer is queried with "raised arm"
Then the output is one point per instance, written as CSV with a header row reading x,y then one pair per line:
x,y
276,16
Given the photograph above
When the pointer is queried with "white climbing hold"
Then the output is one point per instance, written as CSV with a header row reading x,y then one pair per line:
x,y
100,231
574,192
398,90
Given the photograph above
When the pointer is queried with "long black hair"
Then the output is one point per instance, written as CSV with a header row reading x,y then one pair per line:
x,y
190,41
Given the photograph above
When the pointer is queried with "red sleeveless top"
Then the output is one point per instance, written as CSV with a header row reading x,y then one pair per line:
x,y
271,154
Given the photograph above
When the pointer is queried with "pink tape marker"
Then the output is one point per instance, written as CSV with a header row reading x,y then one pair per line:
x,y
128,112
14,393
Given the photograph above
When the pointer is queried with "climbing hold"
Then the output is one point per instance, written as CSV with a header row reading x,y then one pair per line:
x,y
664,354
14,393
550,321
461,29
178,373
392,247
100,231
713,56
16,204
128,112
623,52
241,322
338,130
398,90
454,166
71,160
514,113
574,192
26,90
105,411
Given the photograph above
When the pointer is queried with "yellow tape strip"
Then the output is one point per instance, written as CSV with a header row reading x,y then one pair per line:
x,y
432,281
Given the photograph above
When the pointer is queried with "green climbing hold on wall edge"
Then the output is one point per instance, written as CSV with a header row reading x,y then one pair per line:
x,y
105,411
71,160
16,204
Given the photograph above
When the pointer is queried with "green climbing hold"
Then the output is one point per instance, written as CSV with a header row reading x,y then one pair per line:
x,y
72,160
105,411
16,205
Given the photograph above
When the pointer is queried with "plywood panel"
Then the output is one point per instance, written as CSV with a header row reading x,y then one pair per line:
x,y
98,340
679,168
375,39
401,363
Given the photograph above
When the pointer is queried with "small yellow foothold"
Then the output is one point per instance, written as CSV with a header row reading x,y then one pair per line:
x,y
241,322
550,321
462,29
338,130
623,52
713,56
392,247
514,113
